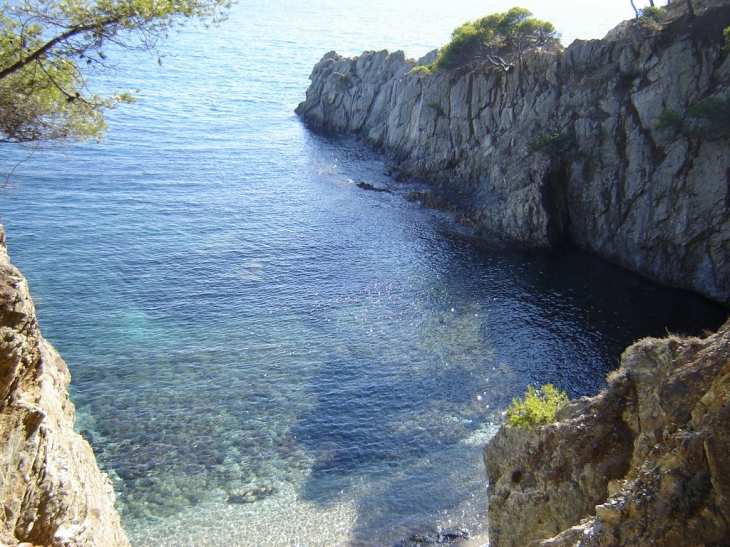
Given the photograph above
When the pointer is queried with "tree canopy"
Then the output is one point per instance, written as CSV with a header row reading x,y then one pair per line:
x,y
49,48
515,29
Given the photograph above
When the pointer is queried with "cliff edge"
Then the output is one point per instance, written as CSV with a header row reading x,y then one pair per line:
x,y
51,490
645,462
567,147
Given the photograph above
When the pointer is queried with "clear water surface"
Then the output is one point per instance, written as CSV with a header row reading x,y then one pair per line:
x,y
265,354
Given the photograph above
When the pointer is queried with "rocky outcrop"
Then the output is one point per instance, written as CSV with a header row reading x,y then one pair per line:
x,y
51,490
643,463
565,148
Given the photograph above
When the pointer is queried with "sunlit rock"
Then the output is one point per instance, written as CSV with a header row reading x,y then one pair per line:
x,y
615,186
643,463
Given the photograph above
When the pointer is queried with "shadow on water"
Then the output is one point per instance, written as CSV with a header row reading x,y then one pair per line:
x,y
379,408
391,444
556,314
532,318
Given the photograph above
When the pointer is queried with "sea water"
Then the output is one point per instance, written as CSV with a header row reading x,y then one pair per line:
x,y
264,354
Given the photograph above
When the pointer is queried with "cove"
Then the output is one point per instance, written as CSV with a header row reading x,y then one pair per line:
x,y
263,352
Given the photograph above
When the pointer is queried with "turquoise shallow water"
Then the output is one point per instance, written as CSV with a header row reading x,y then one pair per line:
x,y
239,317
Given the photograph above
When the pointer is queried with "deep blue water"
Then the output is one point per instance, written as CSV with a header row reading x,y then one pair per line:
x,y
237,314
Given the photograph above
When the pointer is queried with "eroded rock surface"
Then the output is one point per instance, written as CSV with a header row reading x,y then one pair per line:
x,y
617,186
51,490
643,463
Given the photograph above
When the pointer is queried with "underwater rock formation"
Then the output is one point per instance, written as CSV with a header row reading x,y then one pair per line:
x,y
566,149
645,462
51,490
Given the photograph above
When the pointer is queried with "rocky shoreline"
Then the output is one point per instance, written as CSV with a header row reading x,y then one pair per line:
x,y
613,184
645,462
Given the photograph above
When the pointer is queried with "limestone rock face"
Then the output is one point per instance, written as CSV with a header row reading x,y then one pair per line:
x,y
608,180
51,490
643,463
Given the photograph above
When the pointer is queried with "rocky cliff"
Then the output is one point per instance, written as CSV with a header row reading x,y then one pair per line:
x,y
564,149
51,490
643,463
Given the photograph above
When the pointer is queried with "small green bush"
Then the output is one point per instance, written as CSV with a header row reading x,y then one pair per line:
x,y
539,407
421,69
712,115
705,119
726,34
672,123
555,144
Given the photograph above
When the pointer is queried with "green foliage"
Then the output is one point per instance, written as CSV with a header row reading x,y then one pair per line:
x,y
705,119
516,29
710,109
555,144
539,407
421,69
712,117
671,122
652,13
726,34
466,41
49,48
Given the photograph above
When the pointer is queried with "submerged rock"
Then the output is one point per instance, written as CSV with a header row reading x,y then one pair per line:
x,y
439,537
51,490
643,463
251,495
565,149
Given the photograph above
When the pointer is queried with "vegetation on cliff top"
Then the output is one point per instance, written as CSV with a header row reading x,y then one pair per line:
x,y
48,48
481,40
538,407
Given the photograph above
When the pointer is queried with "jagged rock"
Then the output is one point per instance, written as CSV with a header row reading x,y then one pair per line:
x,y
622,189
367,186
51,490
643,463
